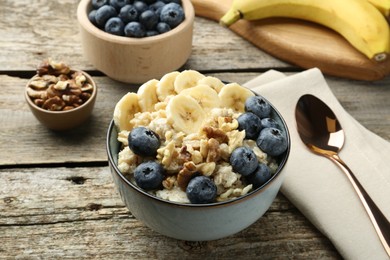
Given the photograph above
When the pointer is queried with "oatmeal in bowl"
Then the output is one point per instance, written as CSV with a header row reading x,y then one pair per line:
x,y
191,140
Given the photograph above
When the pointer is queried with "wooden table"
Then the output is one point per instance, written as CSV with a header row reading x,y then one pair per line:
x,y
57,198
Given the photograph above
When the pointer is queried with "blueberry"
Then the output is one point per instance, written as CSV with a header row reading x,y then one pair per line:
x,y
103,14
250,123
135,29
157,6
201,189
92,17
128,13
243,160
162,27
172,1
258,106
115,26
143,141
151,33
118,4
148,19
269,122
140,6
272,141
96,4
172,14
149,175
260,176
149,2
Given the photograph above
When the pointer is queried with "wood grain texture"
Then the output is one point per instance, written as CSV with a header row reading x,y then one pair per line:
x,y
41,219
32,32
24,140
57,198
301,43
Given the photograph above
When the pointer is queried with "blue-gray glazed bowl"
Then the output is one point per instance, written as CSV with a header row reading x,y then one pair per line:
x,y
196,222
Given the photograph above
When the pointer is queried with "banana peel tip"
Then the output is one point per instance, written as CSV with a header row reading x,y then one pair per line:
x,y
230,17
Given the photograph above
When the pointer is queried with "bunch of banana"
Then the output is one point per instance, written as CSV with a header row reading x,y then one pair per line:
x,y
383,6
358,21
188,96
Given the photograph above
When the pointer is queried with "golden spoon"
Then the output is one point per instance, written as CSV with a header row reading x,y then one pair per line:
x,y
321,132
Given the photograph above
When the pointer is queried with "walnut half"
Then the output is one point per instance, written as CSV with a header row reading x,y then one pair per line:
x,y
188,171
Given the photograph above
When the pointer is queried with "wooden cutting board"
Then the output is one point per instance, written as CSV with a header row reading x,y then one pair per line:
x,y
301,43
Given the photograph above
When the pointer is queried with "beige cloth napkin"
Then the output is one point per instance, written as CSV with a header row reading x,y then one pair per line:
x,y
315,185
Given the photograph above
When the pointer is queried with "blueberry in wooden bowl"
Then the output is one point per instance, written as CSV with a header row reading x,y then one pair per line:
x,y
137,41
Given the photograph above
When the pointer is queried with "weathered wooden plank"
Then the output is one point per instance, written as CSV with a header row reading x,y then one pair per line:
x,y
23,140
30,33
40,218
128,239
56,212
47,195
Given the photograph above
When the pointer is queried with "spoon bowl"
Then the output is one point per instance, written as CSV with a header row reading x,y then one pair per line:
x,y
318,125
321,132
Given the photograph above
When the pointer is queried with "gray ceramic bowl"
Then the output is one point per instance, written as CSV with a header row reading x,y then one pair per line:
x,y
196,222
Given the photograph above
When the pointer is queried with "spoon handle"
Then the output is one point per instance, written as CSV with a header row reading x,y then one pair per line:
x,y
380,222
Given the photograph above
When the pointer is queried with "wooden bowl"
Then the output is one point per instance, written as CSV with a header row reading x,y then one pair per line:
x,y
136,60
63,120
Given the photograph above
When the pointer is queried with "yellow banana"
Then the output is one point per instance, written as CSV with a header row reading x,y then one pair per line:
x,y
383,6
358,21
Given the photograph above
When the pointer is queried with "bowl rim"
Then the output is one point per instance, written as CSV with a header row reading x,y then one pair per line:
x,y
82,17
91,99
247,196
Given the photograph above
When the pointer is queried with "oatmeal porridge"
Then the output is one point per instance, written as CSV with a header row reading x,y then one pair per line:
x,y
190,138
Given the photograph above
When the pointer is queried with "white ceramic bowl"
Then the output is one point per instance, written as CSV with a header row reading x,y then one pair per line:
x,y
136,60
195,222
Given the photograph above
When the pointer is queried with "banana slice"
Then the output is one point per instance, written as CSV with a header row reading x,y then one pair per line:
x,y
147,96
206,96
185,114
187,79
233,95
124,111
165,87
213,82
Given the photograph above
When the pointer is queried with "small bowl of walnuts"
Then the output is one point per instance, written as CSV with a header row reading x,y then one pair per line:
x,y
134,41
60,98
